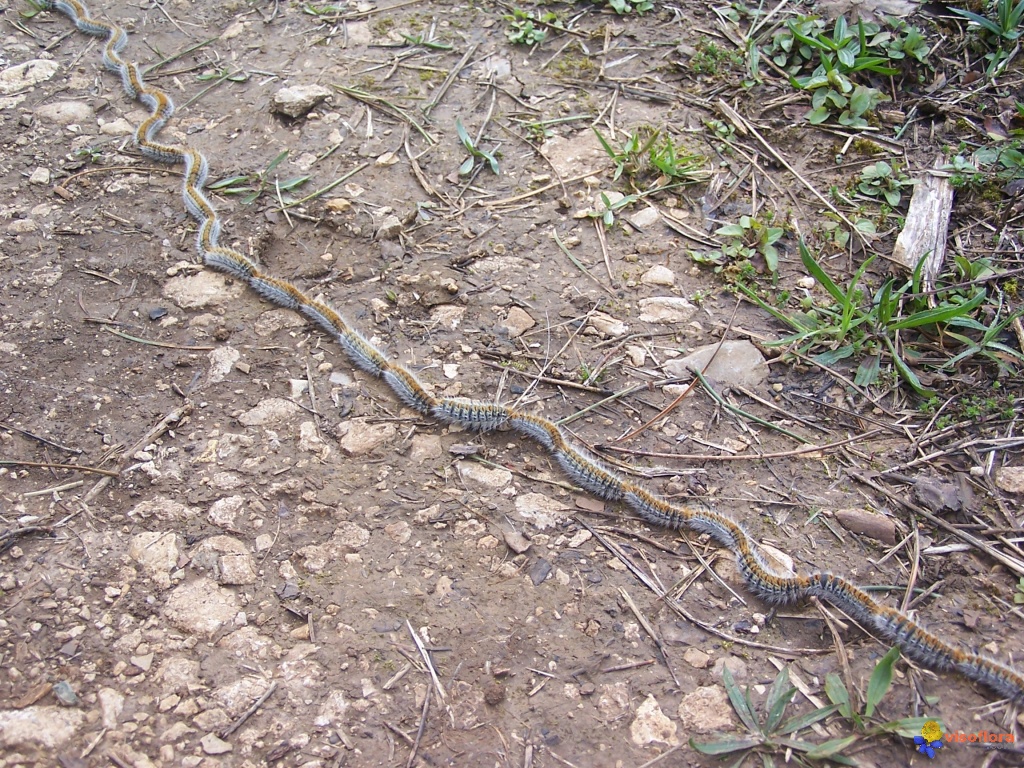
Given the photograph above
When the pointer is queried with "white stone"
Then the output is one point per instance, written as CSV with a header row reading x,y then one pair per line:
x,y
481,479
390,228
310,440
542,511
399,532
576,154
332,711
1010,479
179,675
606,325
40,176
666,309
738,363
22,226
646,217
118,127
297,100
517,322
696,658
270,412
201,607
447,316
227,559
163,509
224,512
706,709
214,745
65,112
658,275
274,320
111,706
426,447
49,727
346,539
222,360
26,74
158,552
202,290
652,725
361,438
613,699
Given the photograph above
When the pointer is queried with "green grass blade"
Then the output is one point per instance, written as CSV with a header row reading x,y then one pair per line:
x,y
981,21
276,162
867,371
779,696
837,693
831,749
607,147
909,727
740,702
798,723
467,142
229,182
940,314
725,746
815,271
905,371
880,680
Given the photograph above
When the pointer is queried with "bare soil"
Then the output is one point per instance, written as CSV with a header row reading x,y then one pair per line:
x,y
277,519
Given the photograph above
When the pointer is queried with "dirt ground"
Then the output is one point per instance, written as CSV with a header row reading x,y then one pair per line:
x,y
273,528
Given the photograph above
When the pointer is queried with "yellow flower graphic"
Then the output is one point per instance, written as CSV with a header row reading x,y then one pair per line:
x,y
931,731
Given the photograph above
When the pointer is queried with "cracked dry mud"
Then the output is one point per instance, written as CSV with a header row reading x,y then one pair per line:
x,y
279,524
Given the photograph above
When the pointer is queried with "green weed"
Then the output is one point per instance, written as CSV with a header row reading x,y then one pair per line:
x,y
1002,31
475,153
749,238
625,7
882,180
842,56
650,154
854,323
712,59
768,733
527,28
253,185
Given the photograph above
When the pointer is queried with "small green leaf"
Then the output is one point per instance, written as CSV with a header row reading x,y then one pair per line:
x,y
229,182
833,356
837,693
818,115
867,371
467,142
467,166
731,230
906,372
726,746
831,749
800,722
276,162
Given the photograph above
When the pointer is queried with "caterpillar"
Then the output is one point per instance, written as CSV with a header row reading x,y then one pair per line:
x,y
577,463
